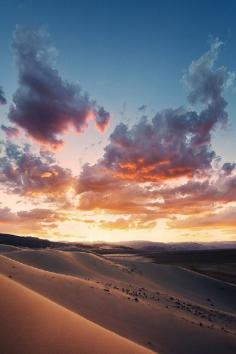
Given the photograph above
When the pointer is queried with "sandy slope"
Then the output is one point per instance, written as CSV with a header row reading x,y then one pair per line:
x,y
189,285
85,265
171,279
32,324
161,318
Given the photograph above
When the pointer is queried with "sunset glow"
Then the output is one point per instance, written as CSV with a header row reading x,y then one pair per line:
x,y
72,170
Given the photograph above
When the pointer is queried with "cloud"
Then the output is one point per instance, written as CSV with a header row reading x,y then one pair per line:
x,y
36,221
100,191
176,142
11,132
205,85
159,168
2,97
163,168
26,173
142,108
129,223
197,197
6,215
223,219
45,105
229,167
162,149
96,178
126,200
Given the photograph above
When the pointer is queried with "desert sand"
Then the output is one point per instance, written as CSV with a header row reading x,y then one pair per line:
x,y
166,309
33,324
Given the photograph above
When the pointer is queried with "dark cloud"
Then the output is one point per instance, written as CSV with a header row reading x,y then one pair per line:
x,y
142,108
229,167
163,149
45,105
177,142
25,173
102,119
139,172
2,97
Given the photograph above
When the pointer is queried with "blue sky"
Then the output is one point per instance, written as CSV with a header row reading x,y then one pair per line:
x,y
121,51
124,53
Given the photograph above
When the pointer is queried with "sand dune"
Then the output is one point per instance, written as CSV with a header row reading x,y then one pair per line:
x,y
35,325
139,301
172,279
72,263
190,285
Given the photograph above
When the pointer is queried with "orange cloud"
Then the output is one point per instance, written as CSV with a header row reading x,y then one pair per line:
x,y
32,175
223,219
35,221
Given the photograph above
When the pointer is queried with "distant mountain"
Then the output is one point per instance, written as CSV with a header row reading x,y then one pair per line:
x,y
26,241
179,246
103,247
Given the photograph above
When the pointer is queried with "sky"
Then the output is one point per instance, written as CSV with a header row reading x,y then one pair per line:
x,y
118,120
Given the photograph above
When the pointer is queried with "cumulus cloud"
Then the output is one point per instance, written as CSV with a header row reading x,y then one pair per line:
x,y
28,174
176,142
162,149
45,105
2,97
163,167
